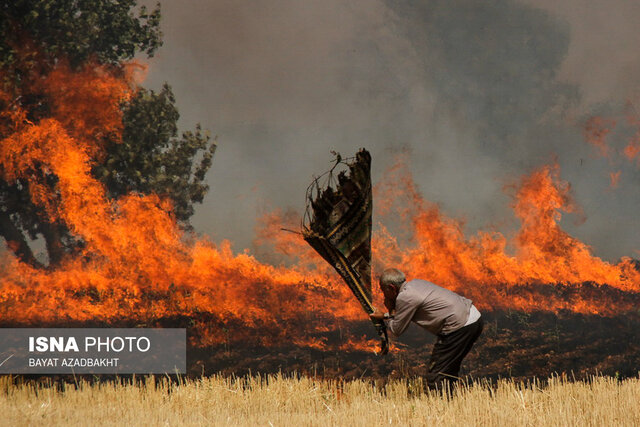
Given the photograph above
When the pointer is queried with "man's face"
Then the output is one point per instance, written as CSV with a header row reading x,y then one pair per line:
x,y
390,293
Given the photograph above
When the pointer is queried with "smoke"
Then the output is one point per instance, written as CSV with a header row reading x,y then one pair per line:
x,y
137,267
478,92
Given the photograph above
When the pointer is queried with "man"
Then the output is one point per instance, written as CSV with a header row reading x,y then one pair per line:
x,y
451,317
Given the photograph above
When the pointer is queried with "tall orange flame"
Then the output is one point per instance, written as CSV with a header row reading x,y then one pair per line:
x,y
481,267
135,264
138,267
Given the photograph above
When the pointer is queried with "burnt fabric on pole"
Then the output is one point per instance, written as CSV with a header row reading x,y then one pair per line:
x,y
338,223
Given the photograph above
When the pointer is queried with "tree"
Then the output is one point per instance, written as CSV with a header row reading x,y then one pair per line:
x,y
150,157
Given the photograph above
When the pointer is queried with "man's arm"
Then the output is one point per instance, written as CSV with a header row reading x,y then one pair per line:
x,y
379,315
403,314
400,317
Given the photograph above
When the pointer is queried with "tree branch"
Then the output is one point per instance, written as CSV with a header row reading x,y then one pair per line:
x,y
16,241
53,239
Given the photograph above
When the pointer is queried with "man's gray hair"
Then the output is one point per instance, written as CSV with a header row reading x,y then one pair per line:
x,y
392,276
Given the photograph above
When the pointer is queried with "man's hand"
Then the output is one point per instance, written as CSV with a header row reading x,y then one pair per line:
x,y
377,315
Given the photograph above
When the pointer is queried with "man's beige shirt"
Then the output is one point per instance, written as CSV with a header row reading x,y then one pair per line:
x,y
432,307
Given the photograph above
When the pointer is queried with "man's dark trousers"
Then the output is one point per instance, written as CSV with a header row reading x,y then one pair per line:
x,y
448,352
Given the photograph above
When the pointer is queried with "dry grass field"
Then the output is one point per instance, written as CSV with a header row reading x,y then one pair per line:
x,y
278,401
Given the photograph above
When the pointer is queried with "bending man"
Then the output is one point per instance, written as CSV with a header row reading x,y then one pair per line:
x,y
451,317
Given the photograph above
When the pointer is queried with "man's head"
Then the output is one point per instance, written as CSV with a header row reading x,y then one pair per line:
x,y
390,281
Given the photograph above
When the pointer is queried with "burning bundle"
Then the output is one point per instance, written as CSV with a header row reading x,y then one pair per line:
x,y
337,224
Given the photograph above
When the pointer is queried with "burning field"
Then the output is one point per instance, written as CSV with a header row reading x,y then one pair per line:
x,y
550,304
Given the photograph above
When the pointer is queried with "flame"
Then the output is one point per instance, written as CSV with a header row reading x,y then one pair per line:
x,y
632,149
138,267
545,258
596,131
549,269
615,179
598,128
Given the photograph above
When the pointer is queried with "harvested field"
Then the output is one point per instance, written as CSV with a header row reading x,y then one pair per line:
x,y
279,401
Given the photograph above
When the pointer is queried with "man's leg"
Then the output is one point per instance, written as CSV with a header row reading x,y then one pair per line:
x,y
448,352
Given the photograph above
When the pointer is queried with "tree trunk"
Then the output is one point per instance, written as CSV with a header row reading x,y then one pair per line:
x,y
53,239
16,241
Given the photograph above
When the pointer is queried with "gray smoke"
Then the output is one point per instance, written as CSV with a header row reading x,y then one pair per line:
x,y
479,92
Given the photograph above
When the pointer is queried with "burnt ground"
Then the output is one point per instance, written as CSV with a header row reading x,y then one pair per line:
x,y
513,344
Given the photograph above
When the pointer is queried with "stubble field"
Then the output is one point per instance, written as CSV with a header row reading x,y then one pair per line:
x,y
278,401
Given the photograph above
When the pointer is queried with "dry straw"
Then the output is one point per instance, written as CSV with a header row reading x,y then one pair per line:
x,y
278,401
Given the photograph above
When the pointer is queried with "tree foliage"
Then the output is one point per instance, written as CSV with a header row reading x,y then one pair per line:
x,y
150,157
109,30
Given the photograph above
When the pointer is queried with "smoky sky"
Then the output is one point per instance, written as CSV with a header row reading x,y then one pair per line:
x,y
478,93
